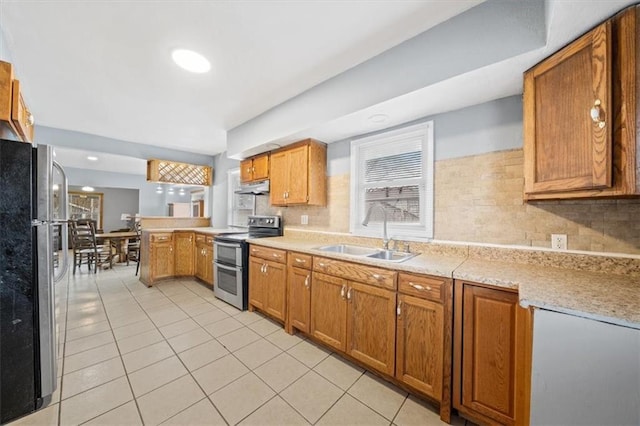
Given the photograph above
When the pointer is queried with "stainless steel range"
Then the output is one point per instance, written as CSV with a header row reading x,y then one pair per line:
x,y
231,259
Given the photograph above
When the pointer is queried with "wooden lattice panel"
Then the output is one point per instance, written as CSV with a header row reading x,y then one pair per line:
x,y
173,172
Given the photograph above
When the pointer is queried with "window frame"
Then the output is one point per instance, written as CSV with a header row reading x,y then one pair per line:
x,y
423,230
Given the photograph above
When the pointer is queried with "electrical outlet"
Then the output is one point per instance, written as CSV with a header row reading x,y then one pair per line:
x,y
304,219
559,241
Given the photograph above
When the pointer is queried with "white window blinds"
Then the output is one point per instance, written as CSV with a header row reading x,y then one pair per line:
x,y
395,170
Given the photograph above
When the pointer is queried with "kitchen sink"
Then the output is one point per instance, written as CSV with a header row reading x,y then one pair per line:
x,y
349,249
392,256
372,253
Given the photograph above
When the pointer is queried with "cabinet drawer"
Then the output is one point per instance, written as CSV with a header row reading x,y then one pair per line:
x,y
164,237
275,255
355,272
421,286
300,260
200,238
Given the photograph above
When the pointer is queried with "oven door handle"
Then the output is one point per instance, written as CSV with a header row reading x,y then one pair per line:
x,y
228,268
232,245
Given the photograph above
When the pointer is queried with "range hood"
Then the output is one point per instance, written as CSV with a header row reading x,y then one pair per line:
x,y
255,188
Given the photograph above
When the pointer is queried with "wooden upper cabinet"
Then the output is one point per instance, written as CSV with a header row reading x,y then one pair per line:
x,y
254,168
17,121
298,174
580,116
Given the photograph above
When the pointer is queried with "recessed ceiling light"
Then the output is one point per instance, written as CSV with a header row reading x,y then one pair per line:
x,y
88,189
378,118
190,60
92,158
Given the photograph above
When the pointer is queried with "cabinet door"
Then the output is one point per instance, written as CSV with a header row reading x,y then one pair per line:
x,y
261,167
568,117
163,262
199,262
276,289
489,352
208,266
329,310
300,298
298,175
420,344
184,262
246,171
371,326
257,285
279,178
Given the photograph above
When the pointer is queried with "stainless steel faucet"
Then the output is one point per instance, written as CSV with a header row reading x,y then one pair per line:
x,y
385,239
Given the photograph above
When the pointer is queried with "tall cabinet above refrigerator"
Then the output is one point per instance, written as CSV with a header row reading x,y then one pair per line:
x,y
33,202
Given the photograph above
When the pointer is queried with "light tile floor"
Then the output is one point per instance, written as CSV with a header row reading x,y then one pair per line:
x,y
174,354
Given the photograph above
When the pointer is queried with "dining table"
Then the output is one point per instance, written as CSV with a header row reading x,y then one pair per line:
x,y
121,240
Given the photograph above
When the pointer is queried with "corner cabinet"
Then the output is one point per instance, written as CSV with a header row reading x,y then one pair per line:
x,y
158,260
492,355
581,116
298,174
254,169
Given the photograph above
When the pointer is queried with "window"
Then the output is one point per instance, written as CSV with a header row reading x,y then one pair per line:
x,y
84,205
392,175
239,206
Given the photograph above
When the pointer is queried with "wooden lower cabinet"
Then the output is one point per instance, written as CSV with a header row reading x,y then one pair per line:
x,y
162,258
371,326
203,259
420,344
492,355
299,301
355,318
268,287
184,253
329,310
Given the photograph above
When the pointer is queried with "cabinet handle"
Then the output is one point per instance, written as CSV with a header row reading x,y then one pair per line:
x,y
419,287
300,260
266,268
277,256
596,113
253,169
306,282
349,294
399,308
254,250
377,276
248,169
171,249
321,265
30,119
342,291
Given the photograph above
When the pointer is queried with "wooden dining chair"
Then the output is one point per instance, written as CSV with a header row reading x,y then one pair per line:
x,y
133,248
85,249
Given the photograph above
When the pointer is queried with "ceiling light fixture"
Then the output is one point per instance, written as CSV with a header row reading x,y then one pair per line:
x,y
190,60
92,158
88,189
378,118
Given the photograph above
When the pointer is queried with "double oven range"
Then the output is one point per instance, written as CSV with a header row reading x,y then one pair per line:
x,y
231,259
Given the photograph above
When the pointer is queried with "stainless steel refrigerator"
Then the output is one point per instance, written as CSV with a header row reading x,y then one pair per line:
x,y
33,217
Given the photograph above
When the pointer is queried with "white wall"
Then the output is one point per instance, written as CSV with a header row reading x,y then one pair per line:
x,y
584,372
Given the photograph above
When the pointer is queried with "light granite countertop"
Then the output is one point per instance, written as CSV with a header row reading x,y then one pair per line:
x,y
432,264
600,296
544,280
202,230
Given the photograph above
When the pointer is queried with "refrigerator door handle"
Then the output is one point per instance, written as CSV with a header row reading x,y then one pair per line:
x,y
63,222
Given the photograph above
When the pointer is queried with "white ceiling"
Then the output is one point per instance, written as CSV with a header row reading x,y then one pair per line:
x,y
104,67
77,158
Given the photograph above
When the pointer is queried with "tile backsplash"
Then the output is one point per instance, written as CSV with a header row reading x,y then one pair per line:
x,y
479,199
